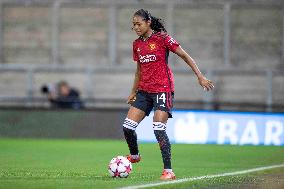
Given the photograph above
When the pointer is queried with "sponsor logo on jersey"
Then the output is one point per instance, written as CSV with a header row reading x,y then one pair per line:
x,y
147,58
152,46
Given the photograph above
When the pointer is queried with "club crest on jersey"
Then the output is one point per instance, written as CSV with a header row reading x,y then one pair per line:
x,y
152,46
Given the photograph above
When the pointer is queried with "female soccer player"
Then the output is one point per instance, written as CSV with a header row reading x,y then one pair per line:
x,y
153,85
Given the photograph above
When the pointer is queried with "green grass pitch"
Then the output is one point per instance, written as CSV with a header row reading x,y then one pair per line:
x,y
38,163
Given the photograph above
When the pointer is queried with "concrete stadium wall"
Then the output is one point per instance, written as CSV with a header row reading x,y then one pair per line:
x,y
255,35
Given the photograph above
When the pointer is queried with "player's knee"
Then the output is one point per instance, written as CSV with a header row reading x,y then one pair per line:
x,y
161,116
159,126
129,124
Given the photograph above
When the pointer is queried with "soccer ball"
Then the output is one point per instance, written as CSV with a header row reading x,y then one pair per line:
x,y
119,167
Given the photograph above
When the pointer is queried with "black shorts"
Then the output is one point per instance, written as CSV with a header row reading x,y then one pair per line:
x,y
159,101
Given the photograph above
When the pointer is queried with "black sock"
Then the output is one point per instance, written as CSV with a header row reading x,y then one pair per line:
x,y
131,139
165,147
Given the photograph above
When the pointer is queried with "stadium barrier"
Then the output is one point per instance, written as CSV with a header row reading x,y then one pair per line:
x,y
187,126
212,127
62,124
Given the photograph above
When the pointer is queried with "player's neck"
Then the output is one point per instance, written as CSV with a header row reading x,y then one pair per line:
x,y
147,34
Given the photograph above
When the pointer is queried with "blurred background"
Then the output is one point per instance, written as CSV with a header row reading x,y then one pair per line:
x,y
239,44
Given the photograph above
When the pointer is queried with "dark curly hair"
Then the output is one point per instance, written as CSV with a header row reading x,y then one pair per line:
x,y
156,23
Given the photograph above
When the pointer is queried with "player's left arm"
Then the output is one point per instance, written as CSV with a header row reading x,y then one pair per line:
x,y
203,81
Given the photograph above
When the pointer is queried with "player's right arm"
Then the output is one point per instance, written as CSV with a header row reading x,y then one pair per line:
x,y
132,95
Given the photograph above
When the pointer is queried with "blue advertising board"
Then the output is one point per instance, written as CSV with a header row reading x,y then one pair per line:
x,y
212,127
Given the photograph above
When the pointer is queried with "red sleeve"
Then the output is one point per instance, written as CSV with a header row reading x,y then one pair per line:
x,y
135,55
171,44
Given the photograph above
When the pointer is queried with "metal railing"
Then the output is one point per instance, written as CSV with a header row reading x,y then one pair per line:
x,y
88,72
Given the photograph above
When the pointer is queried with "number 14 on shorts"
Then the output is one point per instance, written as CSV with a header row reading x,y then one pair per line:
x,y
161,99
164,100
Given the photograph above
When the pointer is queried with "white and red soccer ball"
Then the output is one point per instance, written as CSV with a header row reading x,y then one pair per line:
x,y
119,167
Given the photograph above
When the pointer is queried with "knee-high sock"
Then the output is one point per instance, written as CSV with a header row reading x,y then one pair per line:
x,y
163,140
129,127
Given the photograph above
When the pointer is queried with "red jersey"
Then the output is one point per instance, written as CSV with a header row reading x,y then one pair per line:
x,y
152,55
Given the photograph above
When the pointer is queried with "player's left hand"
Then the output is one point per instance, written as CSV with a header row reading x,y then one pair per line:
x,y
205,83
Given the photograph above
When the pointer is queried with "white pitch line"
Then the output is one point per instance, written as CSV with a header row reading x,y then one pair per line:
x,y
204,177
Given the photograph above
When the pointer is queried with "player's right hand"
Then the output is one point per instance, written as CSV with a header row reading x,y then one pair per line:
x,y
206,83
131,98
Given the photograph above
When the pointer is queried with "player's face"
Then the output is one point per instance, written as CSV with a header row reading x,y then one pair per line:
x,y
64,90
140,26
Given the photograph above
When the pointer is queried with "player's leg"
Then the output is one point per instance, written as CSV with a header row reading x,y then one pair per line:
x,y
134,117
139,109
162,106
159,126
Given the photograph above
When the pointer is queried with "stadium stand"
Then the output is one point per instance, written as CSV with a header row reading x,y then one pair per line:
x,y
85,37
